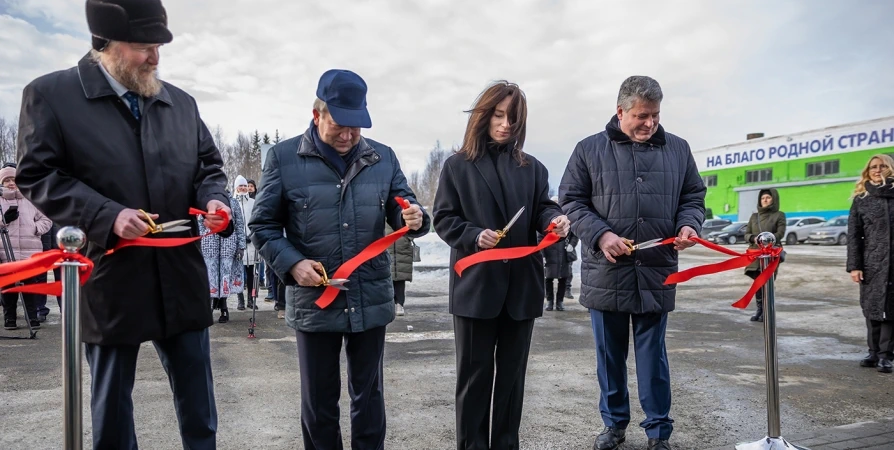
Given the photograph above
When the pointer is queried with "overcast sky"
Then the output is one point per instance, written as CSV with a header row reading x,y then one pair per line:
x,y
726,68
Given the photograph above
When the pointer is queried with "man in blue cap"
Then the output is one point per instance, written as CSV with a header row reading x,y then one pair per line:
x,y
331,191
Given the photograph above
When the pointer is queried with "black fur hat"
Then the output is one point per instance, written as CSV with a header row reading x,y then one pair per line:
x,y
140,21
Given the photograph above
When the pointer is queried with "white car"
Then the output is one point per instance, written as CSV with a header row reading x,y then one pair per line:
x,y
797,229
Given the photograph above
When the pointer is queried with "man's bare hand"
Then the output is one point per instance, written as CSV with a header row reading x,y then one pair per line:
x,y
212,220
131,224
682,241
857,275
305,273
612,245
413,217
563,225
487,239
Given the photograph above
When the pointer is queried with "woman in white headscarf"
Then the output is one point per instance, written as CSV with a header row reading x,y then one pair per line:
x,y
250,258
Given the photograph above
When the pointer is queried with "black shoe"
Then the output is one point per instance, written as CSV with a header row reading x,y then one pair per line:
x,y
869,361
549,305
560,306
35,324
659,444
759,314
240,304
41,317
9,325
224,316
568,293
250,304
610,439
885,366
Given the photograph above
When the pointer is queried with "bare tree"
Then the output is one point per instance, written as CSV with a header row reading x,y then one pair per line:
x,y
9,131
425,184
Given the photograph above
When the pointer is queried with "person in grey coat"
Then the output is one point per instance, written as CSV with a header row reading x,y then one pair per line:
x,y
628,184
401,253
870,245
99,142
332,191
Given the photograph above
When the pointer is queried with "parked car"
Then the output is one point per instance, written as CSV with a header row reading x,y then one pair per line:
x,y
712,225
730,234
798,228
832,232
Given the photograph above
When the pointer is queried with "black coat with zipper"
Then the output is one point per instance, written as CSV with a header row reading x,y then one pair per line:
x,y
330,219
477,195
85,158
639,191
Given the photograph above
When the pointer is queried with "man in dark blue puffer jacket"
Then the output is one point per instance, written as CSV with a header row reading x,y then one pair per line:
x,y
332,191
632,183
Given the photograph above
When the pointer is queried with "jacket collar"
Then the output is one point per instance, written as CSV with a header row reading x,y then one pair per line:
x,y
96,85
613,128
306,146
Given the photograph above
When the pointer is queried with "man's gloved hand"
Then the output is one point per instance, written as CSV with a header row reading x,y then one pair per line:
x,y
11,215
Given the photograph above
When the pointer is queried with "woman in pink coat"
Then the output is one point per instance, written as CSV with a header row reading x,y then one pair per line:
x,y
25,225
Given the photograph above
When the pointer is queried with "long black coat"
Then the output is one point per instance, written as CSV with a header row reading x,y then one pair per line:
x,y
476,195
555,257
85,158
869,248
639,191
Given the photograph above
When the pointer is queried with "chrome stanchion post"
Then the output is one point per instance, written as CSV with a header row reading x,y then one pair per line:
x,y
71,240
774,438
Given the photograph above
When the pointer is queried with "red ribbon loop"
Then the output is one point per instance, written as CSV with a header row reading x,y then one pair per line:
x,y
499,254
370,252
14,272
740,260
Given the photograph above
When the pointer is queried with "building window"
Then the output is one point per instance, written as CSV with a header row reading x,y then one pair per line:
x,y
710,180
822,168
758,176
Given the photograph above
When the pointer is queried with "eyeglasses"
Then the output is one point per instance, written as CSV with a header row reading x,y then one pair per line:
x,y
878,167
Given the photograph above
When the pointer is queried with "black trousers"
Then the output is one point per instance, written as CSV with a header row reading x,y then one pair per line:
x,y
880,337
753,274
249,280
186,359
318,362
400,292
483,347
560,291
11,301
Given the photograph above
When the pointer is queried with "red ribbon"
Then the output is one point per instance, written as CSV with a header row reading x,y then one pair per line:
x,y
173,242
497,254
370,252
16,271
740,260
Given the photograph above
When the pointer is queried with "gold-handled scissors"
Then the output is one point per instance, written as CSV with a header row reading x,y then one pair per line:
x,y
338,283
167,227
648,244
502,233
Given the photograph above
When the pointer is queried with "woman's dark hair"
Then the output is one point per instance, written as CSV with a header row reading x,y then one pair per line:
x,y
476,136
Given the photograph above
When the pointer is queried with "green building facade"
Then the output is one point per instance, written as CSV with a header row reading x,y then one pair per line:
x,y
814,171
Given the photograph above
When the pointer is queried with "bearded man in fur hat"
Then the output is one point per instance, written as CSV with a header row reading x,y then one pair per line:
x,y
102,141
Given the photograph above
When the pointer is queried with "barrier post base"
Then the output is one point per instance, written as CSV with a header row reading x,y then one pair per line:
x,y
769,443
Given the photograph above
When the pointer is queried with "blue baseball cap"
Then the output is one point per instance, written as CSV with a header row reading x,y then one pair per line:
x,y
345,95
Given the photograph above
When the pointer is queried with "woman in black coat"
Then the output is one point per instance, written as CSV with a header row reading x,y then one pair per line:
x,y
869,250
557,264
494,304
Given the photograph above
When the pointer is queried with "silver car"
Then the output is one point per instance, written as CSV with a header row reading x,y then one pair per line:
x,y
797,229
832,232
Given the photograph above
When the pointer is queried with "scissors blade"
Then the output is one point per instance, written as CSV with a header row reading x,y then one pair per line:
x,y
648,244
174,229
514,218
173,223
338,283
